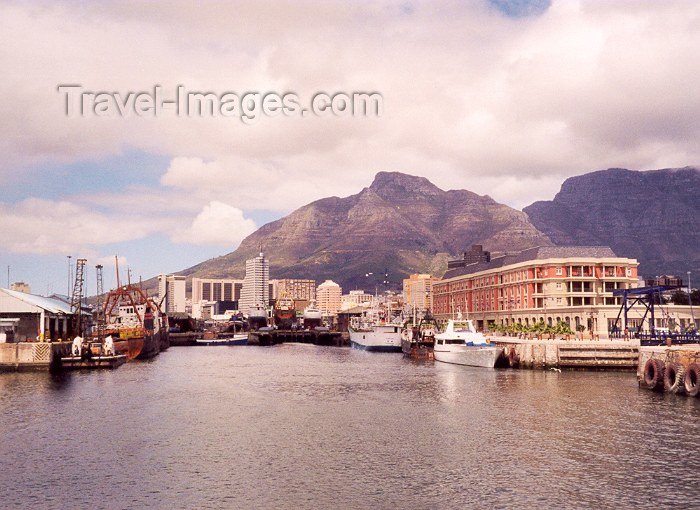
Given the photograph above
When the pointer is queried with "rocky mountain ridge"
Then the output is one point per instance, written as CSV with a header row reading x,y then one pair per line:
x,y
404,224
400,224
653,216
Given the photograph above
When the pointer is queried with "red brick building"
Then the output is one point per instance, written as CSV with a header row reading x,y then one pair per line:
x,y
571,284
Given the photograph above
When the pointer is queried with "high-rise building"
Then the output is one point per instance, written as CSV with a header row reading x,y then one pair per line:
x,y
216,289
256,286
328,297
418,291
171,292
297,289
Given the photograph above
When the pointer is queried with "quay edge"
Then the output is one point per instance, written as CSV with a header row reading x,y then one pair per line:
x,y
567,354
31,356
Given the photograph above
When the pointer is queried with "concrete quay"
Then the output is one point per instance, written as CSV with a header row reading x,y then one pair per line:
x,y
567,354
28,356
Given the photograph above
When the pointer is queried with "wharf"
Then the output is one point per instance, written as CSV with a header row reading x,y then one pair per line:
x,y
569,354
279,336
31,356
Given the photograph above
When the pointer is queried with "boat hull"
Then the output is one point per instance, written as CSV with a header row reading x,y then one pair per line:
x,y
139,347
235,340
417,350
471,356
378,339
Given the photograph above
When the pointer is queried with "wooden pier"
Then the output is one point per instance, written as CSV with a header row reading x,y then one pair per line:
x,y
267,337
278,336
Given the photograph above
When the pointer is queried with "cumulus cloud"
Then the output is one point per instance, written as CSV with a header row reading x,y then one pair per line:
x,y
50,227
41,226
217,224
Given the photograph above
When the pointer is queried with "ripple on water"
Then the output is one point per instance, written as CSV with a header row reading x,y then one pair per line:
x,y
308,427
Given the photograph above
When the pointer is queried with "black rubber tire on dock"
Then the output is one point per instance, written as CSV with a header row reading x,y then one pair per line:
x,y
692,380
513,358
653,376
674,378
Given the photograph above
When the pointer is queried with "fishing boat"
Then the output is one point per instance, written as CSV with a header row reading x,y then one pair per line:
x,y
418,339
372,332
284,312
257,317
135,322
462,344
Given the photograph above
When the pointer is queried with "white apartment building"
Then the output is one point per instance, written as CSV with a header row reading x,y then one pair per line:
x,y
171,292
256,285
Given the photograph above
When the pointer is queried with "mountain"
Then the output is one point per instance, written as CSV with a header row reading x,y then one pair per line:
x,y
653,216
401,223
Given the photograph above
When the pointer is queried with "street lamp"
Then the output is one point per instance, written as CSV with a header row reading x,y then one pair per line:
x,y
690,303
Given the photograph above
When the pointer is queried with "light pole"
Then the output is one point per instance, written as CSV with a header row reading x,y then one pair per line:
x,y
690,303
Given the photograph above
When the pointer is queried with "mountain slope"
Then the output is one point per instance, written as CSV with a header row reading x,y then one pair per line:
x,y
653,216
400,223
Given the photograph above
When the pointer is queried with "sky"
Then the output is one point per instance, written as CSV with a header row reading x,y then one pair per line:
x,y
506,98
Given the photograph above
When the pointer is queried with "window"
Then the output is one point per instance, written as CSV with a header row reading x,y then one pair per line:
x,y
629,271
558,285
558,270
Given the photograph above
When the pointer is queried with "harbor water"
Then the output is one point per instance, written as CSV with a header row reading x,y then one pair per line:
x,y
300,426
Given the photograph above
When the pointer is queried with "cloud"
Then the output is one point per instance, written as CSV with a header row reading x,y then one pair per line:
x,y
217,224
42,226
471,96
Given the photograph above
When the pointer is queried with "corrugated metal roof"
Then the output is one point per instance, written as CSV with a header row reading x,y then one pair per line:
x,y
48,304
538,253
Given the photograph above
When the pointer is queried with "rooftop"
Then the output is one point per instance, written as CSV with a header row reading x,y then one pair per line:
x,y
537,253
49,304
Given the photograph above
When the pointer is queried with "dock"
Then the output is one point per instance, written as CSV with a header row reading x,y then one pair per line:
x,y
567,354
31,356
279,336
267,337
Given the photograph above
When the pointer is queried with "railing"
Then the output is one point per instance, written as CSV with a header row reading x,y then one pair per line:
x,y
647,339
